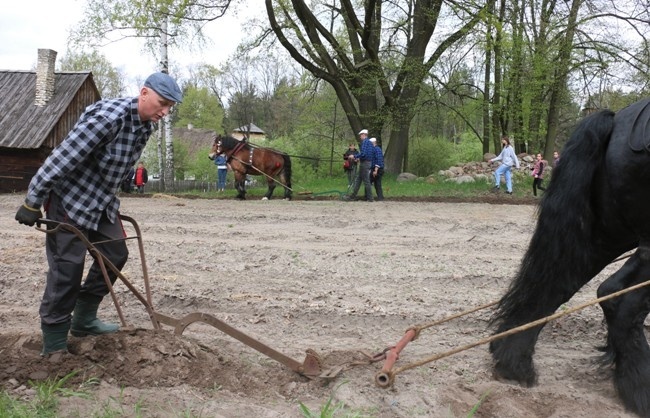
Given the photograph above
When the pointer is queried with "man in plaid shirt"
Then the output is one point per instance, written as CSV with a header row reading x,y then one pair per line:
x,y
77,184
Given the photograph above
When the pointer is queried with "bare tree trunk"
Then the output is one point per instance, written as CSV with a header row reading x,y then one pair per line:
x,y
515,108
499,125
161,160
487,89
559,87
540,60
166,122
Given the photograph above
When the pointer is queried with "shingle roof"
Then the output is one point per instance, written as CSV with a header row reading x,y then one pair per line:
x,y
22,123
254,129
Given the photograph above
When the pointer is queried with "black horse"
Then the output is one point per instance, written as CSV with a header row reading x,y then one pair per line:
x,y
245,158
595,209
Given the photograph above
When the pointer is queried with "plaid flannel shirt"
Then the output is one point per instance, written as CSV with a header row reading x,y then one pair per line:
x,y
86,169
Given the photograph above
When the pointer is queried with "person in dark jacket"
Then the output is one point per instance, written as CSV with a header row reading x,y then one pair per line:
x,y
349,164
377,169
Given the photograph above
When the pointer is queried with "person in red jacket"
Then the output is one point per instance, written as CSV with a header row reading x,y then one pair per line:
x,y
141,177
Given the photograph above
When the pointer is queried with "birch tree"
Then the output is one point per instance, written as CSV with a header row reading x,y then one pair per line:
x,y
160,24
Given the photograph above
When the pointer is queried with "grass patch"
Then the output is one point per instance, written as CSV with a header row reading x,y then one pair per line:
x,y
335,186
45,402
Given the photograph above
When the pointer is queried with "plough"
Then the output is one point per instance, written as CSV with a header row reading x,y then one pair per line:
x,y
311,366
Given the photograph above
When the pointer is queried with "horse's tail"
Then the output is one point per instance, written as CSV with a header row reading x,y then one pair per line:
x,y
561,256
287,175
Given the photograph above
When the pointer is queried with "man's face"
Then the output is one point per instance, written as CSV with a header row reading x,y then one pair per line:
x,y
152,106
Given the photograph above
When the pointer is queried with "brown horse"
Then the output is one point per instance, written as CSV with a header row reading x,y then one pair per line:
x,y
245,158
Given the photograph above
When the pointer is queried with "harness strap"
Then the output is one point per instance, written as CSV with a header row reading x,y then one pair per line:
x,y
240,145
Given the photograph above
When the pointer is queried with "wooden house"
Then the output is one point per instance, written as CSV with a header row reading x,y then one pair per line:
x,y
252,131
37,110
195,139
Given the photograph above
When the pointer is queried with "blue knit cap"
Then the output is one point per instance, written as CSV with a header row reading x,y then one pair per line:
x,y
165,86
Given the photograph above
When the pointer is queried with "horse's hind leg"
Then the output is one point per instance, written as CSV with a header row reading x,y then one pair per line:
x,y
269,192
286,183
627,345
528,300
240,186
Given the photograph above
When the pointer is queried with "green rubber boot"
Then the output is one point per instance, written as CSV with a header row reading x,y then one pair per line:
x,y
55,338
84,318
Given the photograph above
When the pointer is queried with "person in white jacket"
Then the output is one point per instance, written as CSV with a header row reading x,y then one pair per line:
x,y
508,159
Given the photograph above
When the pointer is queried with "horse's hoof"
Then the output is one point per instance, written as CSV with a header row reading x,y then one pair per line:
x,y
265,198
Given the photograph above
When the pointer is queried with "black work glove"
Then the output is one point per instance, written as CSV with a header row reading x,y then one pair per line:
x,y
27,215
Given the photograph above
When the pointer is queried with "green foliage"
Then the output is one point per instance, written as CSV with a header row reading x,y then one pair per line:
x,y
201,109
201,167
110,19
108,79
182,160
311,155
430,155
326,411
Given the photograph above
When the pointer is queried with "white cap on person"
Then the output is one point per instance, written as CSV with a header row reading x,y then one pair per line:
x,y
363,132
373,140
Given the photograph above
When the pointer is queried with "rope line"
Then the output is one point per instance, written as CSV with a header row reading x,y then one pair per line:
x,y
515,330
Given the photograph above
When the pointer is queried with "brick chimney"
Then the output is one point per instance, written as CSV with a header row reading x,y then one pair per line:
x,y
45,76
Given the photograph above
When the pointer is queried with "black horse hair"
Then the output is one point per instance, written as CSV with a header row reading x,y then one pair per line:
x,y
557,252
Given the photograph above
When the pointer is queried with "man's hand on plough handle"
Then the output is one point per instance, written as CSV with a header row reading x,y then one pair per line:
x,y
28,215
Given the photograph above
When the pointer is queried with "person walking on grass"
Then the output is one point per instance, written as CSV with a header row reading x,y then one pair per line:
x,y
508,160
377,170
538,174
77,184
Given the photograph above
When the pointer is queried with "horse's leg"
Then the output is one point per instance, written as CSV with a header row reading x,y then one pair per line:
x,y
271,186
240,185
285,177
286,184
627,345
525,302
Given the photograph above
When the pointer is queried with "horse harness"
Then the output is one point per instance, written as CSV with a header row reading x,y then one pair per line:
x,y
230,154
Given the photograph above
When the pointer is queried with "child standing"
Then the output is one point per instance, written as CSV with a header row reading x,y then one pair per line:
x,y
538,174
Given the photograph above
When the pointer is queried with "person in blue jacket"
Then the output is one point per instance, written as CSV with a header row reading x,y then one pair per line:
x,y
364,157
377,169
222,170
